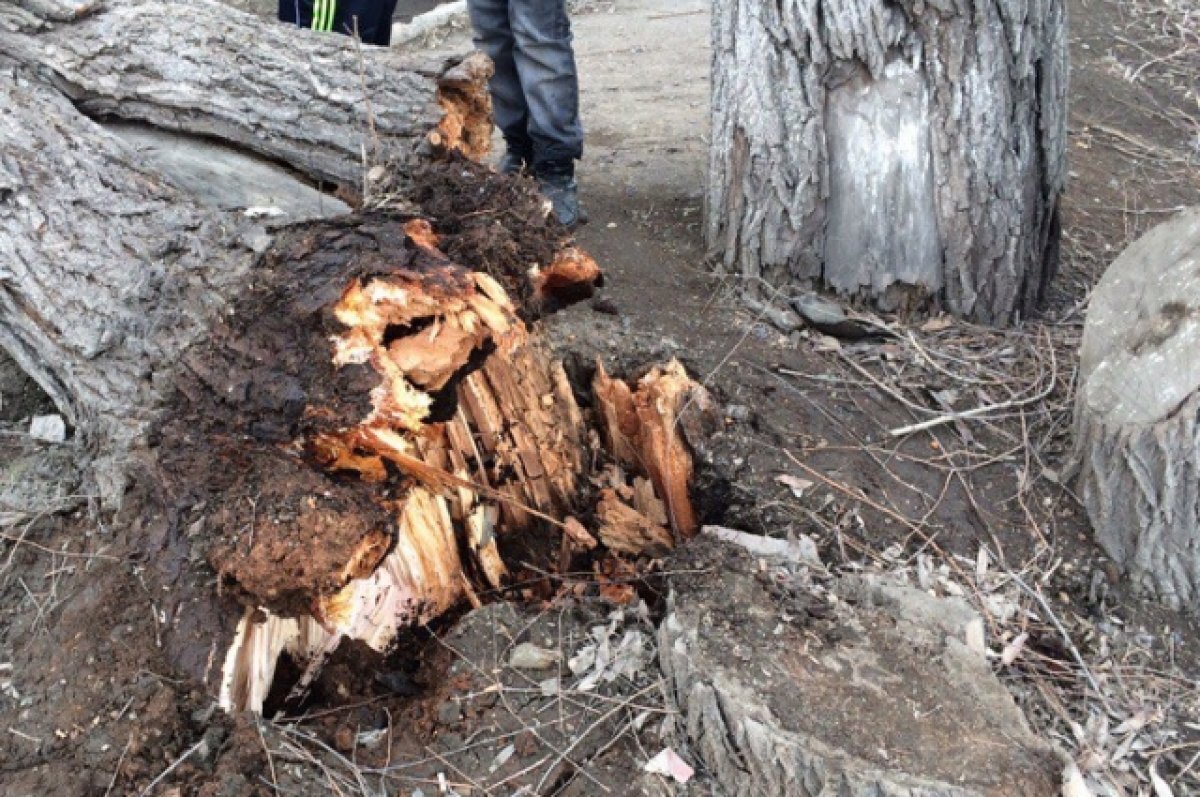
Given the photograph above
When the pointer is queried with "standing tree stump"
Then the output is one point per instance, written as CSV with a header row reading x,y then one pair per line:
x,y
1137,413
906,152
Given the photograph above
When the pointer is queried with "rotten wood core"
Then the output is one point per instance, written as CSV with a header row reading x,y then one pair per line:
x,y
472,435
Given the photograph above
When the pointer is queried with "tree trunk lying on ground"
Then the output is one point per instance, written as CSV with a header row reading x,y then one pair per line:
x,y
76,231
900,151
348,428
1137,412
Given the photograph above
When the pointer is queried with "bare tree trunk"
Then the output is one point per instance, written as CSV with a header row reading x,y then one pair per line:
x,y
899,151
1137,412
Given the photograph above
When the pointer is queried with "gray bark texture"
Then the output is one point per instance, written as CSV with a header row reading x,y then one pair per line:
x,y
320,103
900,151
1137,412
107,269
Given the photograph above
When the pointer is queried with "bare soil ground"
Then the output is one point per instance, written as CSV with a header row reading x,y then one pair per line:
x,y
87,706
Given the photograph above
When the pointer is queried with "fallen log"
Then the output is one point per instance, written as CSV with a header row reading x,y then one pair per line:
x,y
93,300
319,103
315,435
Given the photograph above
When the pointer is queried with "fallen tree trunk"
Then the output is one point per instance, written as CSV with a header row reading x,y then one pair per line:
x,y
903,152
93,299
322,104
1137,436
323,436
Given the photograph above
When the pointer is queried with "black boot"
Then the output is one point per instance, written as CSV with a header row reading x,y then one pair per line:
x,y
513,163
557,183
518,156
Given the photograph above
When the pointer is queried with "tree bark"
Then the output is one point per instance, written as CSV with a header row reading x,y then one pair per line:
x,y
904,152
1137,412
778,699
322,104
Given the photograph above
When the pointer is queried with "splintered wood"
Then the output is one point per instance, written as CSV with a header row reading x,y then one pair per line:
x,y
482,429
644,432
466,124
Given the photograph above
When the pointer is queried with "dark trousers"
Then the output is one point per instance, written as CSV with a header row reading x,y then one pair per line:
x,y
535,91
373,18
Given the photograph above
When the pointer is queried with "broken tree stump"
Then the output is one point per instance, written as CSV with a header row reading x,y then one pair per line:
x,y
647,429
1137,412
469,426
877,693
903,152
384,451
315,435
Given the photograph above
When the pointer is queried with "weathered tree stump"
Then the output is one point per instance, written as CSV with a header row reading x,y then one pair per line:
x,y
778,699
1137,412
899,151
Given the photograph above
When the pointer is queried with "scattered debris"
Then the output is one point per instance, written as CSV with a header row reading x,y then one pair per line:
x,y
797,485
801,549
668,764
527,656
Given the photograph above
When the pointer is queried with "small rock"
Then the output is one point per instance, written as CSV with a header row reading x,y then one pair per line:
x,y
449,712
606,306
784,320
739,413
527,656
830,318
48,428
819,311
781,318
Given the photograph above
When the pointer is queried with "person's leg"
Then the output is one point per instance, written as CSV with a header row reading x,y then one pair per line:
x,y
296,12
494,36
545,63
371,19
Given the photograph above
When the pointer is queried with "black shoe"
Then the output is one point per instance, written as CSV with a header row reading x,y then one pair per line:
x,y
563,192
513,163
